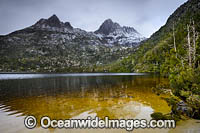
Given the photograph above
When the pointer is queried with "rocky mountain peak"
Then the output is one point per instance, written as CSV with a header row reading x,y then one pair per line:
x,y
108,27
54,17
128,29
53,24
108,21
54,21
68,25
113,33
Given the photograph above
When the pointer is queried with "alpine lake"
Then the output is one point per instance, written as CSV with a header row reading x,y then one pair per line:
x,y
79,95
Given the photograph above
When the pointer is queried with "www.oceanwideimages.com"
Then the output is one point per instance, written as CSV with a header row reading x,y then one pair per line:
x,y
129,125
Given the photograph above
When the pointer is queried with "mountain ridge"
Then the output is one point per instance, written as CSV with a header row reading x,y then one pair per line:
x,y
114,33
53,21
50,45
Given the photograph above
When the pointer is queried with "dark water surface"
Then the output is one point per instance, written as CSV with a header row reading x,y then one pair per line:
x,y
64,96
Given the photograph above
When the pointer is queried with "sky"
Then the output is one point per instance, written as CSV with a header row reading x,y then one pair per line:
x,y
146,16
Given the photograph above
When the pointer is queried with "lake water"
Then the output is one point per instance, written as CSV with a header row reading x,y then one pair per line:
x,y
64,96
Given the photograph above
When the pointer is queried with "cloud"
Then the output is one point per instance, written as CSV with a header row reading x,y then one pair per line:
x,y
146,16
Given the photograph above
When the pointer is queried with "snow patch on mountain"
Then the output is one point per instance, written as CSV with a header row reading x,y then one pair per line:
x,y
114,34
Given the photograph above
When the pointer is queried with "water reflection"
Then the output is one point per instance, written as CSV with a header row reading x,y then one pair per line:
x,y
81,96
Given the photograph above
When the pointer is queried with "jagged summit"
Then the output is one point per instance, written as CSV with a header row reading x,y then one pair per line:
x,y
116,34
107,27
53,17
129,29
54,21
67,24
53,24
108,20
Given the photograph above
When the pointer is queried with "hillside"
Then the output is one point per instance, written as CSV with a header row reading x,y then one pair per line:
x,y
174,52
51,45
155,52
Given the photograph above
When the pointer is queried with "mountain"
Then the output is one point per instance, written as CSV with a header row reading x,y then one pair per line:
x,y
54,22
157,54
50,45
114,34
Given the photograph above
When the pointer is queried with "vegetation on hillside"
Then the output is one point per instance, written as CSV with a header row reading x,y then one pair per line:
x,y
174,52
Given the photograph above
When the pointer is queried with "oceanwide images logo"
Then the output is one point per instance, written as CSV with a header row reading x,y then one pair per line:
x,y
128,124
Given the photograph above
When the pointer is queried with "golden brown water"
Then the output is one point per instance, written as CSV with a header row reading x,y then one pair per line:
x,y
67,97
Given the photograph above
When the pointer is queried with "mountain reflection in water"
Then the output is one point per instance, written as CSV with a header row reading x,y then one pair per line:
x,y
63,97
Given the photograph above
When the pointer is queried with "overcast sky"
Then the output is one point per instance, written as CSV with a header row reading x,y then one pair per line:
x,y
146,16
